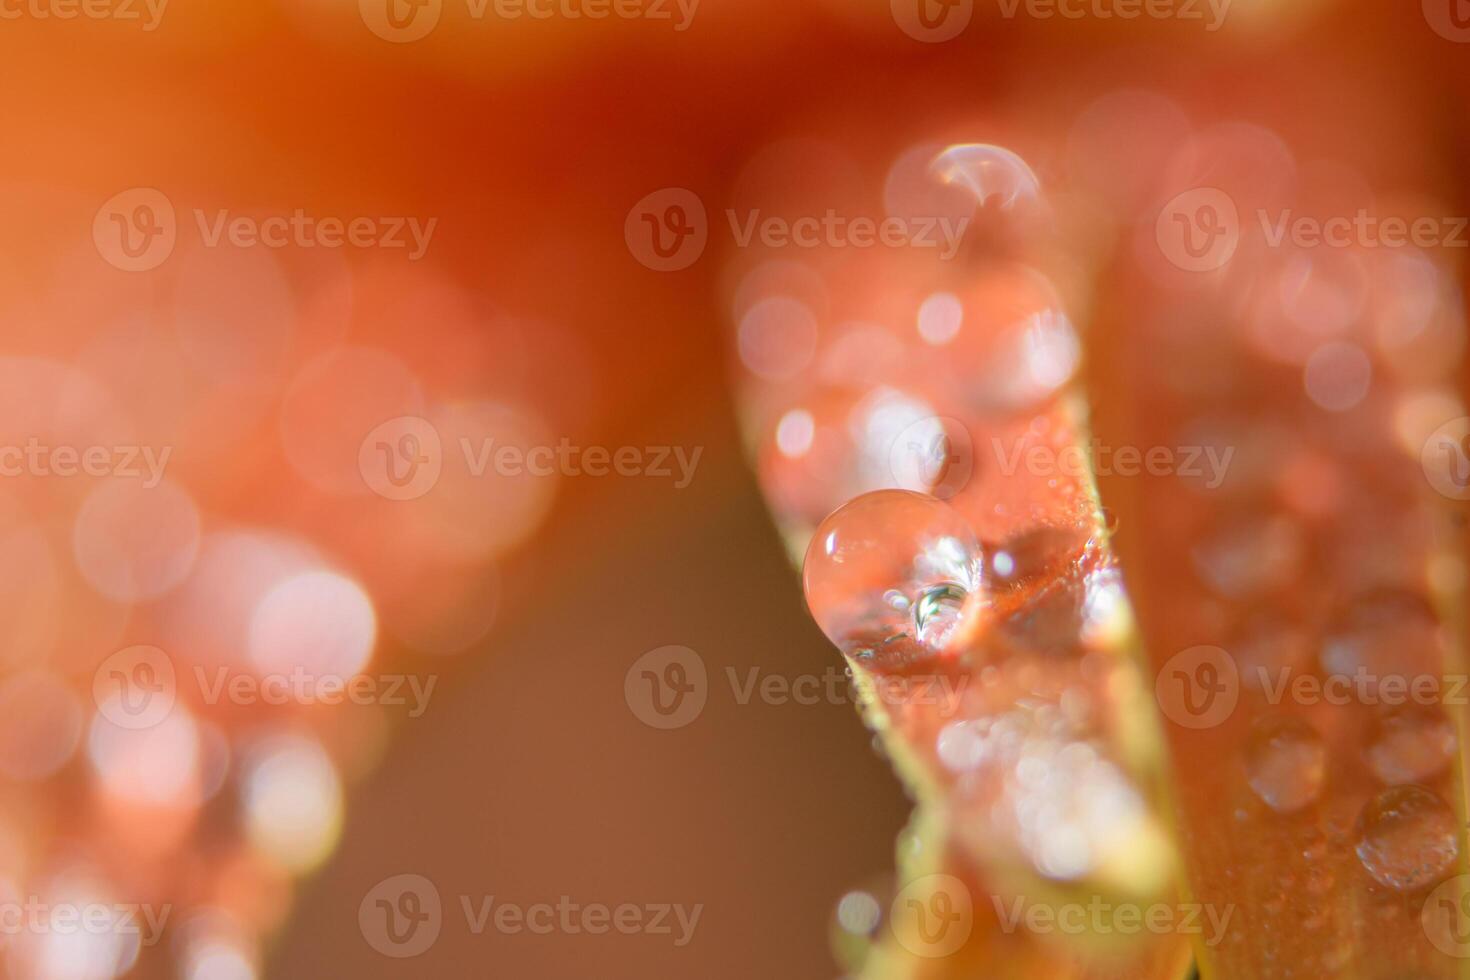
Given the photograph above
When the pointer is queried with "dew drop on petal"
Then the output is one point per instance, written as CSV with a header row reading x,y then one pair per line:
x,y
885,543
1408,838
1286,763
1411,744
988,172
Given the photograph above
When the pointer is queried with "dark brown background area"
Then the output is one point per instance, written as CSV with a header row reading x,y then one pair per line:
x,y
529,777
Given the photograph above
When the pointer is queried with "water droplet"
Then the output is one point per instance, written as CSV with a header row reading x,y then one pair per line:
x,y
1386,633
887,541
1109,520
1411,744
1268,648
1250,557
1286,763
1408,838
988,171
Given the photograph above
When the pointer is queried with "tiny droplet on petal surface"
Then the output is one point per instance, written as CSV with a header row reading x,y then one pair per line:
x,y
1286,763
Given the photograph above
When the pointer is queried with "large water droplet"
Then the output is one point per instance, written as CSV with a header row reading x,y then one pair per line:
x,y
890,563
1411,744
988,172
1408,838
1286,763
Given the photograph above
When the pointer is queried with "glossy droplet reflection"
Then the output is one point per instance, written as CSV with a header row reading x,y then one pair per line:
x,y
1286,763
1408,838
889,563
988,172
1411,744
